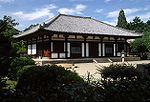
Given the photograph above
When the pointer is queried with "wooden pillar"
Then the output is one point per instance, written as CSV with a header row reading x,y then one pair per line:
x,y
42,46
126,46
85,45
27,47
116,45
101,46
66,47
31,46
50,38
36,46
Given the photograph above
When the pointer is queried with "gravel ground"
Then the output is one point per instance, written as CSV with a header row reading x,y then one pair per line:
x,y
83,68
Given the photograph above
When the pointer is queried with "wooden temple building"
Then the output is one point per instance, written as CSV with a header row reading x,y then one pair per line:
x,y
67,37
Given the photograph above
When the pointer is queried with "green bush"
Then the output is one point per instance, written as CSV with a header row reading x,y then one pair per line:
x,y
125,90
40,75
22,70
4,66
47,83
17,64
119,72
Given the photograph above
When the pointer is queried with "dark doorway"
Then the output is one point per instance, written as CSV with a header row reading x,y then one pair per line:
x,y
46,49
76,50
109,49
93,49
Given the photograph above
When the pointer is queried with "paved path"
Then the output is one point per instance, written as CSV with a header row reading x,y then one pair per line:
x,y
83,68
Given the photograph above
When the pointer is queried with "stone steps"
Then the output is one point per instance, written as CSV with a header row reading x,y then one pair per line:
x,y
84,60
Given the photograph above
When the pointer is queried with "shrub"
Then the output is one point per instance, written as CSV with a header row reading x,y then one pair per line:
x,y
4,66
47,83
119,71
17,64
22,70
126,90
53,74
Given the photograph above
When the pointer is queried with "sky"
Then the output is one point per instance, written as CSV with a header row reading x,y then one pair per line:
x,y
27,12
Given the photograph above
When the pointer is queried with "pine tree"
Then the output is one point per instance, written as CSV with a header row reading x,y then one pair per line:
x,y
122,22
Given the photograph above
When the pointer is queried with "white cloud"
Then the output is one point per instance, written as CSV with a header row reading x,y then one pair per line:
x,y
130,14
144,17
126,11
99,10
77,10
38,13
107,0
51,6
112,22
81,0
7,1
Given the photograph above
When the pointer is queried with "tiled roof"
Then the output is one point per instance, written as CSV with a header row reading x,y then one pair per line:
x,y
79,25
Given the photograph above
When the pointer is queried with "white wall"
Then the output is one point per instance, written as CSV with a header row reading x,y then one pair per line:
x,y
33,50
82,49
103,49
68,49
87,49
114,49
29,49
99,49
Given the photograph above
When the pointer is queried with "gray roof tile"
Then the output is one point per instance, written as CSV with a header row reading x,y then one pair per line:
x,y
81,25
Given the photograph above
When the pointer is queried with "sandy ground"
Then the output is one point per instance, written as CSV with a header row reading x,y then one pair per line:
x,y
83,68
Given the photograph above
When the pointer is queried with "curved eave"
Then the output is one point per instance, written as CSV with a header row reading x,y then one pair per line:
x,y
90,34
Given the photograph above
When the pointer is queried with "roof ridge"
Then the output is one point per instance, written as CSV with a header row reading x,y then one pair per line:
x,y
49,21
52,18
75,16
117,27
41,25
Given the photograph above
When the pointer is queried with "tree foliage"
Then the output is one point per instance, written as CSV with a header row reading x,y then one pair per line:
x,y
7,30
20,46
142,45
30,27
122,22
139,45
7,25
137,25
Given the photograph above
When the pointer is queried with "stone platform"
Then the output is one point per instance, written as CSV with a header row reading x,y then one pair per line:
x,y
45,61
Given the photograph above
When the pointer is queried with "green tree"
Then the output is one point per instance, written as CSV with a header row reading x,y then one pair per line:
x,y
30,27
7,25
122,22
137,25
147,26
20,47
7,30
142,45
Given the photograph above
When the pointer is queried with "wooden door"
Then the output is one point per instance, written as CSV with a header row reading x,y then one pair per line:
x,y
76,50
46,50
93,49
109,49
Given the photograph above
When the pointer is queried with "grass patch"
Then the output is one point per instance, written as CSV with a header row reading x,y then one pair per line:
x,y
10,85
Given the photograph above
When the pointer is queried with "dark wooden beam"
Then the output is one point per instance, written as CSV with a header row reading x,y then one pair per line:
x,y
31,46
126,43
85,36
101,45
27,46
50,38
93,37
75,36
116,45
36,46
42,46
66,47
